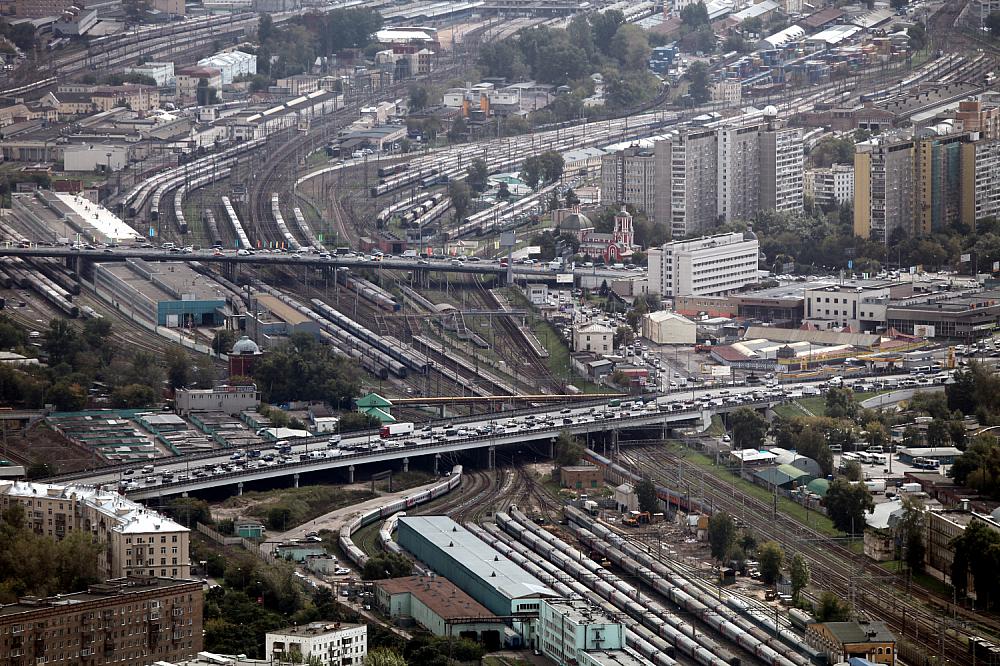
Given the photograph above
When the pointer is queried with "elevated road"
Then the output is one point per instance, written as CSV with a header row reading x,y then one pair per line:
x,y
446,265
314,454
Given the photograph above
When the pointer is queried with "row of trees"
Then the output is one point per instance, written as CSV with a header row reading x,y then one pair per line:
x,y
78,357
293,47
305,369
599,43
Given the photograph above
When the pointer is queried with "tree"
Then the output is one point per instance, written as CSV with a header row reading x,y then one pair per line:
x,y
830,150
798,571
418,97
771,558
630,46
456,132
749,428
66,396
604,26
910,532
697,74
265,28
721,535
568,450
832,608
205,94
477,175
695,15
552,164
304,369
853,471
847,504
461,197
977,553
531,171
178,368
645,492
993,24
133,396
918,38
388,565
840,403
898,4
384,657
61,342
223,340
503,192
96,332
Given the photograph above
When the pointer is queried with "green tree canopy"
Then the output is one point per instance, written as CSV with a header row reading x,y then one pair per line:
x,y
721,535
772,559
847,505
303,369
749,428
646,494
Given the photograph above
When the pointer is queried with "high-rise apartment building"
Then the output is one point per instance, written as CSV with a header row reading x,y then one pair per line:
x,y
139,541
698,176
127,622
912,186
884,188
709,266
629,176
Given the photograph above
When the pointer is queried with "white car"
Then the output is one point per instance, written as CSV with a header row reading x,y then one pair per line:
x,y
341,571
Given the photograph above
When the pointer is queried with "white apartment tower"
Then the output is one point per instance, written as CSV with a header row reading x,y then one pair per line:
x,y
708,266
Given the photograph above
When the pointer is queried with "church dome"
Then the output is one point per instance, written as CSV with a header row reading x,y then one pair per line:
x,y
575,222
245,346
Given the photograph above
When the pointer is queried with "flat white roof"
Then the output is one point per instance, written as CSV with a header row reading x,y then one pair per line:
x,y
99,217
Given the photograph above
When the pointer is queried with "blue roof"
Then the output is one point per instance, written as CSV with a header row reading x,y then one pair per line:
x,y
508,578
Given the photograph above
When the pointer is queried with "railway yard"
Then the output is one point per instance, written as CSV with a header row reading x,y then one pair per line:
x,y
332,216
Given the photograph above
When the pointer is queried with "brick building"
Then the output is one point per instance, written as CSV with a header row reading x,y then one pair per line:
x,y
127,621
580,477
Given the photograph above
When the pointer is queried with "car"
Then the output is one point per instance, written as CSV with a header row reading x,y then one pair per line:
x,y
341,571
149,480
128,472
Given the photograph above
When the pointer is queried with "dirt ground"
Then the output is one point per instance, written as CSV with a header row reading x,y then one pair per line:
x,y
41,444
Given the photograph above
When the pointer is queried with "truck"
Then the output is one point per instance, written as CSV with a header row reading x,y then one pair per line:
x,y
396,430
875,486
590,506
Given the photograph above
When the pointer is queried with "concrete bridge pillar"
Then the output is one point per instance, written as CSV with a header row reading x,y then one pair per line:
x,y
239,487
492,462
437,461
350,475
295,480
406,464
184,494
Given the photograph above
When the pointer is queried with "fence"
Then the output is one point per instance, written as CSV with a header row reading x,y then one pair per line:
x,y
249,545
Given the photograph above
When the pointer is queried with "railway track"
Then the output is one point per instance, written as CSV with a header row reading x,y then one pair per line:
x,y
834,566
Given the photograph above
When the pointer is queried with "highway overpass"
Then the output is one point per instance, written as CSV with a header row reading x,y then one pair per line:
x,y
510,429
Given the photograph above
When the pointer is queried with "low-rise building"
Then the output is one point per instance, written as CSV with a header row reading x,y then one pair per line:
x,y
188,78
669,328
580,476
231,64
965,317
224,398
594,337
843,640
334,644
436,604
574,631
161,72
162,617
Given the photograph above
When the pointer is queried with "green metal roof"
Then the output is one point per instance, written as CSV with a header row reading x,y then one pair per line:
x,y
382,415
372,400
818,487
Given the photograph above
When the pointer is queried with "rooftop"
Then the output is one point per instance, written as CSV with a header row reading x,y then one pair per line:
x,y
857,632
785,292
617,658
131,517
439,594
315,629
505,576
282,311
579,611
110,589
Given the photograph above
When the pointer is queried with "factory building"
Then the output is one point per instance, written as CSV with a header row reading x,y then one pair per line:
x,y
437,605
272,321
232,400
163,618
487,576
69,218
231,65
169,294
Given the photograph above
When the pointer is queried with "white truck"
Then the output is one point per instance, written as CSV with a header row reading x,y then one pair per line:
x,y
396,430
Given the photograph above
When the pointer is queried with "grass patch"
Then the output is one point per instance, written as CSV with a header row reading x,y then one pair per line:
x,y
717,429
302,504
406,480
797,511
814,403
